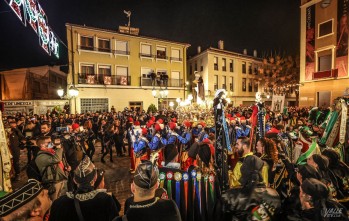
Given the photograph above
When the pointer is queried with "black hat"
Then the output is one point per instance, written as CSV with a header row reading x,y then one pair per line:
x,y
146,175
333,157
170,152
85,172
251,170
321,161
205,154
315,188
20,197
308,172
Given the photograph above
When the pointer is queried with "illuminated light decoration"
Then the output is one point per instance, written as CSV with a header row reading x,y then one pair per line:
x,y
32,13
53,45
18,7
44,31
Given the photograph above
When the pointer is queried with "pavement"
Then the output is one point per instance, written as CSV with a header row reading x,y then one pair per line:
x,y
117,174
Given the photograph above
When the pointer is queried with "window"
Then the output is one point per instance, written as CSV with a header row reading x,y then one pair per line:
x,y
87,69
146,72
224,82
224,65
86,43
123,71
104,70
175,55
53,78
325,63
244,67
216,82
104,45
94,105
325,28
325,60
201,68
121,47
195,66
244,84
256,86
231,65
36,86
215,65
175,79
250,86
161,52
250,68
231,83
146,50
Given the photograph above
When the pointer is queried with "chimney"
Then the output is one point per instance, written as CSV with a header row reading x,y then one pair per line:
x,y
199,49
255,53
221,45
245,51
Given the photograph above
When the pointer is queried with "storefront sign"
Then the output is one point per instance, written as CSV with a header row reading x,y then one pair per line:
x,y
18,103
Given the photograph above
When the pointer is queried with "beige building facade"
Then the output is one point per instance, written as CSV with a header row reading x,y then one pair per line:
x,y
111,68
323,51
219,68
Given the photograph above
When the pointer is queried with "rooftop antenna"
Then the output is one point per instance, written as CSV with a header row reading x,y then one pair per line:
x,y
128,14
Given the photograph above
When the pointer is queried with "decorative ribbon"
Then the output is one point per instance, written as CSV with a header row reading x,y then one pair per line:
x,y
331,138
178,178
342,130
308,153
162,177
185,179
169,176
198,188
193,177
333,118
206,189
211,183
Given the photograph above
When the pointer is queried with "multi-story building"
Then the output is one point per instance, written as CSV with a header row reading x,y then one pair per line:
x,y
123,69
323,51
32,89
219,68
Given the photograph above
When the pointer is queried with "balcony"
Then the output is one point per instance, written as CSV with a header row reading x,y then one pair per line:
x,y
325,74
231,69
106,50
175,59
224,68
249,70
170,82
99,79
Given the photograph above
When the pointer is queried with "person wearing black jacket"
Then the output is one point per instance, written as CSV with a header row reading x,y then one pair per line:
x,y
15,138
119,138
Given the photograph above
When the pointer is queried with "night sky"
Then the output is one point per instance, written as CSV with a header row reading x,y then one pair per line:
x,y
265,25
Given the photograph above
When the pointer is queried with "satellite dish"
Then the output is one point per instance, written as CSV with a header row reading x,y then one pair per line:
x,y
325,3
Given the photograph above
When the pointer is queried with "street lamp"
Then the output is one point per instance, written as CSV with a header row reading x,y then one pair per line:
x,y
73,92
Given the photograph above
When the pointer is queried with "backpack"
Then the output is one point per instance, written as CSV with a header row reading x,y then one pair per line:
x,y
33,171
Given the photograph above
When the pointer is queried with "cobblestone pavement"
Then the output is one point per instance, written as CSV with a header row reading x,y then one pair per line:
x,y
117,174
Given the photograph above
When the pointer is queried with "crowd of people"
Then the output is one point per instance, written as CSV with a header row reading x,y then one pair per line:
x,y
293,167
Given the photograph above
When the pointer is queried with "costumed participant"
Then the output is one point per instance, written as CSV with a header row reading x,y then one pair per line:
x,y
267,151
341,174
30,202
252,200
156,143
204,188
134,130
202,132
186,140
222,144
140,147
245,128
316,205
305,146
243,149
5,161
